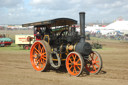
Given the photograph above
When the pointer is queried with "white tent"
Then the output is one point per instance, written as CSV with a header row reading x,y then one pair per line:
x,y
118,25
94,28
121,26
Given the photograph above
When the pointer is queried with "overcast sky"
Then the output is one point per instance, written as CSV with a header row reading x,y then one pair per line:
x,y
24,11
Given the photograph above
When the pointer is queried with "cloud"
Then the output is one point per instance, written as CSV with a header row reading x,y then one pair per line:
x,y
23,11
39,2
10,3
54,4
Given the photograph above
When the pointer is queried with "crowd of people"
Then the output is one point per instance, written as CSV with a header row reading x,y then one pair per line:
x,y
107,36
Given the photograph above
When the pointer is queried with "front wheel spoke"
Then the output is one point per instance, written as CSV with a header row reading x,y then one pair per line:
x,y
78,64
70,67
75,70
74,57
69,63
77,60
42,61
78,67
70,60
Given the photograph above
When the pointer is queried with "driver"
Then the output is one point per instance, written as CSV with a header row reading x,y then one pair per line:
x,y
38,33
48,30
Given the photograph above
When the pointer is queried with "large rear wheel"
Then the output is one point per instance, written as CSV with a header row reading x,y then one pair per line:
x,y
74,64
39,55
94,63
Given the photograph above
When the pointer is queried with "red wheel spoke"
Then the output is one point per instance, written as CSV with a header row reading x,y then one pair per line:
x,y
89,67
39,47
43,53
42,61
70,60
70,67
96,58
36,50
43,58
42,49
97,61
39,65
34,56
74,57
97,65
78,60
78,64
91,57
39,61
94,67
75,70
35,61
78,67
69,63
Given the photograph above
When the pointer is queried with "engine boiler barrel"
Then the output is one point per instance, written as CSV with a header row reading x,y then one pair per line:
x,y
82,26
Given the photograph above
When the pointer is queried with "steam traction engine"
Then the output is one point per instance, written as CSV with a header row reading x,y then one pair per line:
x,y
60,45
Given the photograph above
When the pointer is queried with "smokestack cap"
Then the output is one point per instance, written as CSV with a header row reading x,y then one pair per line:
x,y
82,13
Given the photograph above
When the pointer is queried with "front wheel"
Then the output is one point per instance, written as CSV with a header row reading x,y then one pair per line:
x,y
94,63
74,64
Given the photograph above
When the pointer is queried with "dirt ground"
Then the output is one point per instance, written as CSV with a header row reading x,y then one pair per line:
x,y
16,69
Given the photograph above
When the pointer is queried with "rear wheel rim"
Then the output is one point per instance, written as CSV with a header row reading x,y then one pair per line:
x,y
94,63
38,56
74,64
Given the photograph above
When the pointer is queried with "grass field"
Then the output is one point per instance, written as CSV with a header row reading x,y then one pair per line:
x,y
16,69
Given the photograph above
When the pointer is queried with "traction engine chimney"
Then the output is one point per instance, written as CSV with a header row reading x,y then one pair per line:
x,y
82,26
82,47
